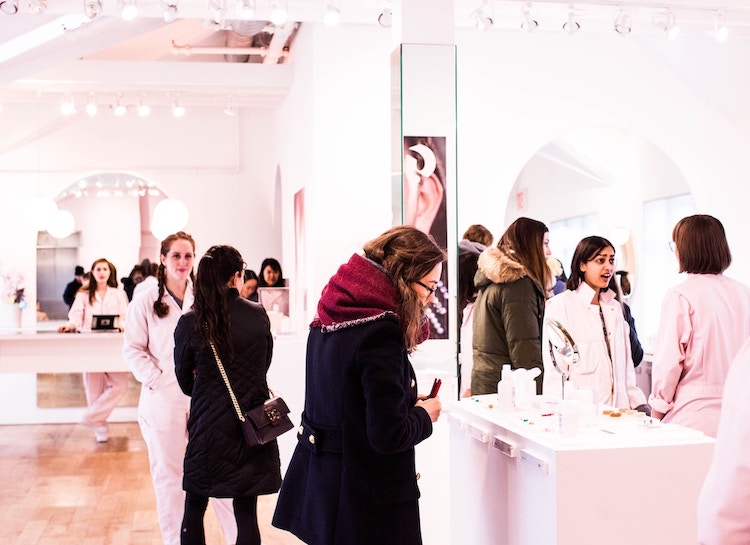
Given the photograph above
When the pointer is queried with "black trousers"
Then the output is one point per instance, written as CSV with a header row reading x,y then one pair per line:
x,y
245,513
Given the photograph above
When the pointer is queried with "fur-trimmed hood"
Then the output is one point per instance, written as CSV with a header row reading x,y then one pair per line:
x,y
495,266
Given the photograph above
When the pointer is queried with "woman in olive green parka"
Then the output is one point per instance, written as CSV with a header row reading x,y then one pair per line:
x,y
513,282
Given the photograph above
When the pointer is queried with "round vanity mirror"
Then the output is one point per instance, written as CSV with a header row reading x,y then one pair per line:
x,y
562,345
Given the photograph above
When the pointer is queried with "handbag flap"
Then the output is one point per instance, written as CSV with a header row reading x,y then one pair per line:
x,y
272,412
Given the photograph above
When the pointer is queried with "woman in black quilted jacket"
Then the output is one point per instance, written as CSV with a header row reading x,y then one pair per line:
x,y
217,462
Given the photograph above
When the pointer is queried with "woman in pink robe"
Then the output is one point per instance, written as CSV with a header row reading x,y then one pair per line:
x,y
703,323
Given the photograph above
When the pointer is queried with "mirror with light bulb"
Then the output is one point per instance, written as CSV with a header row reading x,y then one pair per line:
x,y
115,217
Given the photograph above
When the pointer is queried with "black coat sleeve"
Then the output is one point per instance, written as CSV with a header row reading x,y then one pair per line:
x,y
184,355
635,345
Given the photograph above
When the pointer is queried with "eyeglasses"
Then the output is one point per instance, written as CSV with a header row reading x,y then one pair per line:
x,y
428,288
671,245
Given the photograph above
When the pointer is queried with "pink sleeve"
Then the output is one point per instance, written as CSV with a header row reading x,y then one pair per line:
x,y
670,343
725,496
76,312
123,306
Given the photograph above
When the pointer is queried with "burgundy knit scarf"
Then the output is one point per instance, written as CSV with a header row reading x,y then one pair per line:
x,y
359,292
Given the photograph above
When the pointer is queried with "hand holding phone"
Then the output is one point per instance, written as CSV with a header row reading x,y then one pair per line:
x,y
435,388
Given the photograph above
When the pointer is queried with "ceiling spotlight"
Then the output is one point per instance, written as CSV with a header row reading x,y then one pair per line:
x,y
9,7
479,17
245,9
67,106
144,110
721,30
571,24
178,110
332,15
665,20
279,14
128,9
168,10
385,19
622,22
229,108
528,24
91,107
218,9
92,8
37,7
119,108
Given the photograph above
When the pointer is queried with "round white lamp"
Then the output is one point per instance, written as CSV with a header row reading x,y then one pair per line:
x,y
170,216
62,224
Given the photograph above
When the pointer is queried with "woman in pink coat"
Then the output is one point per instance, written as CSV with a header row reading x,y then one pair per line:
x,y
703,323
723,501
103,390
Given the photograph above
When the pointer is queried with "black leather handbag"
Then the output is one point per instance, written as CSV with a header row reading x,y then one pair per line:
x,y
261,424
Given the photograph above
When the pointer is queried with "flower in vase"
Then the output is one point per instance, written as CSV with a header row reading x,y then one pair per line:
x,y
13,289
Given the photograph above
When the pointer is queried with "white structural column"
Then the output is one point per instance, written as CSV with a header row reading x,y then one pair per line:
x,y
424,115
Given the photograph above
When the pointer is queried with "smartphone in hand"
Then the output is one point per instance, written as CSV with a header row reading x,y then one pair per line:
x,y
435,388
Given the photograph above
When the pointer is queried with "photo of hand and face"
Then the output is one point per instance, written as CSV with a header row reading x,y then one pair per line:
x,y
424,207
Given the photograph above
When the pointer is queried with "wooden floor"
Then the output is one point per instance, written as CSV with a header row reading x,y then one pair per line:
x,y
59,487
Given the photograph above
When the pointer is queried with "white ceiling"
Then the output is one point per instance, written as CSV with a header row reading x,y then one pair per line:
x,y
109,55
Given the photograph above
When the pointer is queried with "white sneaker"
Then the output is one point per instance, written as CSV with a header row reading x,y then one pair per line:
x,y
101,433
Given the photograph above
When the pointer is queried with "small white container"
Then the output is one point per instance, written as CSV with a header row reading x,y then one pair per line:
x,y
570,418
506,392
589,410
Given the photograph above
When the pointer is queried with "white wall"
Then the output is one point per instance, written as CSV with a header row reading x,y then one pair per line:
x,y
335,141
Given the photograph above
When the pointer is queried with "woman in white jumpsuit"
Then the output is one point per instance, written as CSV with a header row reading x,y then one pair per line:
x,y
103,390
163,408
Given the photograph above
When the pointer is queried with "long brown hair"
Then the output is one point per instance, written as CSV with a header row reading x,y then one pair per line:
x,y
160,307
523,241
91,286
212,320
407,254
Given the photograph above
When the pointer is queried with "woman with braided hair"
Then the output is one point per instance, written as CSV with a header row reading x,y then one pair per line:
x,y
163,409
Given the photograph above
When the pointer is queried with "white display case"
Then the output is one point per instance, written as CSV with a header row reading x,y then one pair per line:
x,y
515,480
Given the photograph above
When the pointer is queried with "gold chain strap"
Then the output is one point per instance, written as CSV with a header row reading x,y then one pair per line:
x,y
226,381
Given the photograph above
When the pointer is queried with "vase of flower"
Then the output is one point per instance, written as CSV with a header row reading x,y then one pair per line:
x,y
12,299
10,316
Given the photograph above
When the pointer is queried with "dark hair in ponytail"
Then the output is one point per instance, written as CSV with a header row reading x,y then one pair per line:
x,y
160,307
212,320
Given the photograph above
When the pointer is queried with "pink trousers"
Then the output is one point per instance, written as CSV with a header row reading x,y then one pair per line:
x,y
103,393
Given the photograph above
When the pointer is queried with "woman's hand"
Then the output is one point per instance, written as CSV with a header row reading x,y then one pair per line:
x,y
67,328
432,406
657,414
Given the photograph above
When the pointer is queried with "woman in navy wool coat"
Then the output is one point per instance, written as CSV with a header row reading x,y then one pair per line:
x,y
352,478
218,464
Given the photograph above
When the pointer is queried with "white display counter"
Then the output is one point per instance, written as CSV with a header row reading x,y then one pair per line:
x,y
26,352
52,352
516,481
